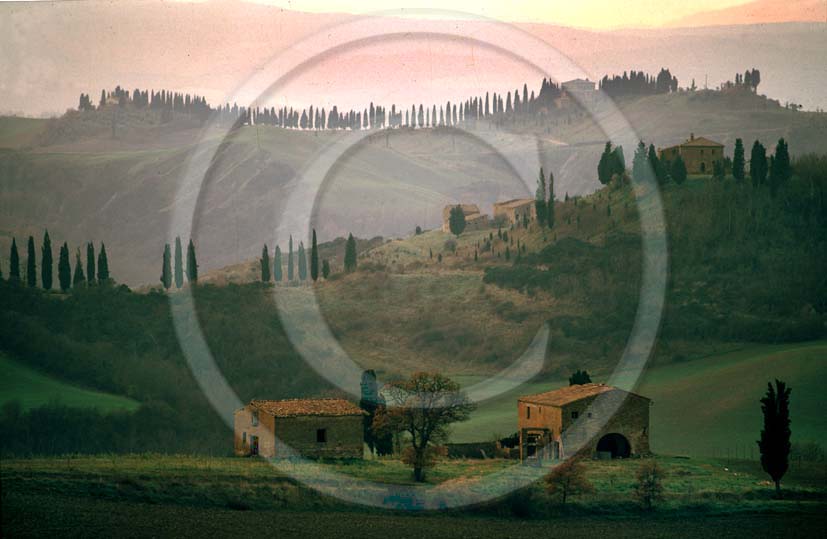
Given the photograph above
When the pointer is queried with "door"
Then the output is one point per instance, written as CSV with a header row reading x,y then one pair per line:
x,y
253,445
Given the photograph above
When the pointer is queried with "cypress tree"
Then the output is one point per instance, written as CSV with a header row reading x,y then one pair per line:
x,y
350,254
64,270
605,167
179,264
90,263
46,262
290,260
774,444
103,266
758,164
550,208
540,198
14,262
192,264
31,264
314,258
325,269
678,170
277,263
738,161
166,268
302,263
265,264
79,279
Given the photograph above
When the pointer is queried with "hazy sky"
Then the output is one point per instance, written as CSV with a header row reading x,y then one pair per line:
x,y
582,13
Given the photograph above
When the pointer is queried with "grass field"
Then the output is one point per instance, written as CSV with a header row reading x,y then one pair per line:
x,y
176,495
705,406
33,389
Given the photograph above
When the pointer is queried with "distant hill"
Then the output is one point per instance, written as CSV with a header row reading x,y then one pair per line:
x,y
758,12
83,185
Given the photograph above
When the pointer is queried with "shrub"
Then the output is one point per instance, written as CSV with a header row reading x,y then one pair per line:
x,y
649,487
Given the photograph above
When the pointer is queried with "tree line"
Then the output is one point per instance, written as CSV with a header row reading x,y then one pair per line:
x,y
492,105
96,269
297,263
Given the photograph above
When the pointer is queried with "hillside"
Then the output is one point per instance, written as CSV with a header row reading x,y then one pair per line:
x,y
123,191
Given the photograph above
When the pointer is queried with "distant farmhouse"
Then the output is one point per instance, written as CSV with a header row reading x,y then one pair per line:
x,y
515,209
555,423
698,154
474,220
581,89
309,427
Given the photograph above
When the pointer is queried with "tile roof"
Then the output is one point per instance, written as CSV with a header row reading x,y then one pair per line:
x,y
701,141
566,395
299,407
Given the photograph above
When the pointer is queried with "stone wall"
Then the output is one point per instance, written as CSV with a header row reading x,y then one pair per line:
x,y
631,419
343,434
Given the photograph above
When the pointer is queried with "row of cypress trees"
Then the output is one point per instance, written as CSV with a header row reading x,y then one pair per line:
x,y
170,273
277,272
97,269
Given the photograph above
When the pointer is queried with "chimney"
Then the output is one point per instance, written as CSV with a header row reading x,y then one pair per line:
x,y
691,136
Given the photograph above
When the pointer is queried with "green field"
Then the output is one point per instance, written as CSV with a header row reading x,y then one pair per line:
x,y
705,406
155,495
33,389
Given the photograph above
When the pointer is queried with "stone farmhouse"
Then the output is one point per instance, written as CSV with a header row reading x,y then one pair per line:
x,y
594,419
313,428
513,211
699,154
474,220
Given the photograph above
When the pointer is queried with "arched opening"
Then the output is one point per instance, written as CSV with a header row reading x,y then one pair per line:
x,y
616,445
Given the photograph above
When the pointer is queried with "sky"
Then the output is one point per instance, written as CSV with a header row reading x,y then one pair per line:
x,y
597,14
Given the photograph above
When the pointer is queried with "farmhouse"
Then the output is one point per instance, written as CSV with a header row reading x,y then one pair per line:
x,y
596,419
698,154
580,89
304,427
474,220
515,209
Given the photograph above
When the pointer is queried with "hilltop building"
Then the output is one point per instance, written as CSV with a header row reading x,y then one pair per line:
x,y
513,211
581,89
474,220
595,419
698,154
306,427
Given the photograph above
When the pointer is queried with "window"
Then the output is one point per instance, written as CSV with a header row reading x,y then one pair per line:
x,y
243,438
255,418
574,415
528,412
321,436
589,415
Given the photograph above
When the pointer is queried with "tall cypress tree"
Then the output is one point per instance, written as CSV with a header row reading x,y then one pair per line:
x,y
302,263
14,262
738,161
277,264
64,270
774,444
550,208
90,263
350,254
46,262
540,198
192,264
179,264
31,264
78,279
166,268
314,258
758,164
290,260
265,264
103,265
